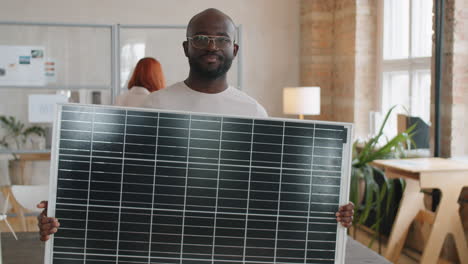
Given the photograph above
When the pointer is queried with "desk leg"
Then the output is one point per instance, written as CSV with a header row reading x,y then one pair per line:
x,y
411,203
447,221
22,179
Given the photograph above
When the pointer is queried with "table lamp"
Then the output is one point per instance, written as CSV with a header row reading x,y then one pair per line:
x,y
301,101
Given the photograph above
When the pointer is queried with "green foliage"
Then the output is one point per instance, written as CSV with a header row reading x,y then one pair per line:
x,y
16,133
372,196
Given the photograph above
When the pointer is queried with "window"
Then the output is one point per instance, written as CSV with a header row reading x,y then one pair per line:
x,y
406,59
131,54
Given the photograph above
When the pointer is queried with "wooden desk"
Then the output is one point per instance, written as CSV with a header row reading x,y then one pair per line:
x,y
428,173
24,156
27,157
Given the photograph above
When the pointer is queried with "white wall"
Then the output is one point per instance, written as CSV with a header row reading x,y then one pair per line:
x,y
270,32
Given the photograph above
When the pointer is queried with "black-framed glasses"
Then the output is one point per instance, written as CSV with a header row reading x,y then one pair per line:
x,y
203,41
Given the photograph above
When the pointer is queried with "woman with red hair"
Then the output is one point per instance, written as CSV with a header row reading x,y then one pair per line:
x,y
146,78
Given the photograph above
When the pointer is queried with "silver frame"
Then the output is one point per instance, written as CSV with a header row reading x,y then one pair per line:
x,y
115,62
341,233
48,258
341,236
169,26
52,24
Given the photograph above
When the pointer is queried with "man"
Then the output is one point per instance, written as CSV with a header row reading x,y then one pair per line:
x,y
210,49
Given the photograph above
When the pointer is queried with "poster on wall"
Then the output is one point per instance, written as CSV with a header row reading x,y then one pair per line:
x,y
50,70
22,66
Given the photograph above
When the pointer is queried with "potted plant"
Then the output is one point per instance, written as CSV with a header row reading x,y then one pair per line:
x,y
14,135
365,191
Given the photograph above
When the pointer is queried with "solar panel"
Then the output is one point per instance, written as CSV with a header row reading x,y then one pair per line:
x,y
145,186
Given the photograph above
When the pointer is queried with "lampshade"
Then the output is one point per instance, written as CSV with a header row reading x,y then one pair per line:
x,y
301,100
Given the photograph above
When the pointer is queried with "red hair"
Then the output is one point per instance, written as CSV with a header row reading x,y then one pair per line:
x,y
148,73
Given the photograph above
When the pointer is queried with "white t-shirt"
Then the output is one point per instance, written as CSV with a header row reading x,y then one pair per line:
x,y
228,102
133,97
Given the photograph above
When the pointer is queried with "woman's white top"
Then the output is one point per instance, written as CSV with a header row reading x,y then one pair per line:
x,y
133,97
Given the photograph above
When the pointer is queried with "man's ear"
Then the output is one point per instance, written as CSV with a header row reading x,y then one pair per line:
x,y
185,46
236,49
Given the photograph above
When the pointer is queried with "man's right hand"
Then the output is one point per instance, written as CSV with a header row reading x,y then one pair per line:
x,y
47,225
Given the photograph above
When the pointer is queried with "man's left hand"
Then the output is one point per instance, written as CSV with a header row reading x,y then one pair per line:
x,y
345,214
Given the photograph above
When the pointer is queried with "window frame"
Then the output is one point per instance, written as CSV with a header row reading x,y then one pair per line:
x,y
411,65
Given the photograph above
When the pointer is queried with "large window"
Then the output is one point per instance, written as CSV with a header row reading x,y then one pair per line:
x,y
406,59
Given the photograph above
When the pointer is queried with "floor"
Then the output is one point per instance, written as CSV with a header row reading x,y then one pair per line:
x,y
408,256
27,249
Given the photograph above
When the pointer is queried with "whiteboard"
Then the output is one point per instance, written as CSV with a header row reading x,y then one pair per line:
x,y
22,65
75,56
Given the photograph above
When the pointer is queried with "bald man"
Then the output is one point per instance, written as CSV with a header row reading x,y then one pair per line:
x,y
210,48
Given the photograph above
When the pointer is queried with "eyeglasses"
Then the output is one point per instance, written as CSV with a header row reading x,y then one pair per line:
x,y
203,41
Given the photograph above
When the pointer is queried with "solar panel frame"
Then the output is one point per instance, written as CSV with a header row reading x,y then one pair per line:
x,y
344,181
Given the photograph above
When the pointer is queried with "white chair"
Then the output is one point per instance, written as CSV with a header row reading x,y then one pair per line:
x,y
23,200
28,196
3,218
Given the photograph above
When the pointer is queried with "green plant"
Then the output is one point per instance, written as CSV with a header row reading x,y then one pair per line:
x,y
16,133
365,192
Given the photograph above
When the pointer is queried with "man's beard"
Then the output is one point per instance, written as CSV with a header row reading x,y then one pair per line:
x,y
223,68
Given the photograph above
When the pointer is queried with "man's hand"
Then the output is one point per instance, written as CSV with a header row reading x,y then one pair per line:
x,y
47,225
345,214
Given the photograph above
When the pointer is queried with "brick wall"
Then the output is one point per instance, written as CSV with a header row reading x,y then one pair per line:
x,y
338,48
316,51
454,94
366,89
345,60
460,79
